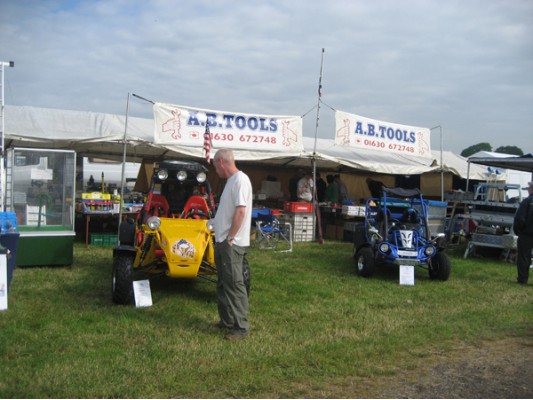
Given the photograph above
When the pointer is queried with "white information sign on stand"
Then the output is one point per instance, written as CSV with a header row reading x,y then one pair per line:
x,y
3,282
143,295
407,275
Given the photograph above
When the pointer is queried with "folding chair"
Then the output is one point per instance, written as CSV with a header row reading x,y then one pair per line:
x,y
273,234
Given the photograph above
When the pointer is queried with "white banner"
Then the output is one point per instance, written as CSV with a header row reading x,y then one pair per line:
x,y
186,126
365,133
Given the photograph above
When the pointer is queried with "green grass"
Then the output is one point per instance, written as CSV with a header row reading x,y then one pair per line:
x,y
314,323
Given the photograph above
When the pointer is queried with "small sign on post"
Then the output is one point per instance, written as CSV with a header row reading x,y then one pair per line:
x,y
143,295
407,275
3,282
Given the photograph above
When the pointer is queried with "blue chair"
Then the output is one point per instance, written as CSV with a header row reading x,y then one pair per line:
x,y
273,234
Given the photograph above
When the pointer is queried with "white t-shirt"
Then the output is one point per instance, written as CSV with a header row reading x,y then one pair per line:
x,y
305,186
237,192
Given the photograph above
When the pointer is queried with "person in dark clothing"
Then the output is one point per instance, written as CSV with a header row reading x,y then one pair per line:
x,y
375,187
523,227
320,188
343,190
332,191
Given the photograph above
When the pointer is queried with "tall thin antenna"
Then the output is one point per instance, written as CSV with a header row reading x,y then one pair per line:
x,y
319,99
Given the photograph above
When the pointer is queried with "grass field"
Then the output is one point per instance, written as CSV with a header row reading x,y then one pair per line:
x,y
315,323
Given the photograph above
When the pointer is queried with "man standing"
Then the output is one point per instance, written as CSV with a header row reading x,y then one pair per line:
x,y
305,188
523,227
293,185
232,235
321,187
343,190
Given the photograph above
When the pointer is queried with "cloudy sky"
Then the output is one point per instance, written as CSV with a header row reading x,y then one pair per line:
x,y
466,65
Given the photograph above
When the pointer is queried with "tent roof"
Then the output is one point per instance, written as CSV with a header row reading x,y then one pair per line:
x,y
87,133
102,135
519,163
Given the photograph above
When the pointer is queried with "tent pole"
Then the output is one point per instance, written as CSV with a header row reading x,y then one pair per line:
x,y
467,175
124,151
2,133
441,163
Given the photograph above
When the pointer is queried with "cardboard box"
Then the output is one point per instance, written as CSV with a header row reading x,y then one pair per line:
x,y
298,207
333,232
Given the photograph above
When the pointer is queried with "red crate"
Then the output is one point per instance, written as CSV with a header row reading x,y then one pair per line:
x,y
298,207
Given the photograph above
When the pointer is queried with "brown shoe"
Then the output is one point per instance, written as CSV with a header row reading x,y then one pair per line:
x,y
235,336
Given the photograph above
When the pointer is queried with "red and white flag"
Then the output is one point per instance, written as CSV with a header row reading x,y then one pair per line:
x,y
207,142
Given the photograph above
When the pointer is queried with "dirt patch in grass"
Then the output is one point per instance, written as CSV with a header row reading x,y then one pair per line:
x,y
501,369
492,369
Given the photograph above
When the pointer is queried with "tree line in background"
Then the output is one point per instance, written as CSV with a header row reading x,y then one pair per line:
x,y
511,150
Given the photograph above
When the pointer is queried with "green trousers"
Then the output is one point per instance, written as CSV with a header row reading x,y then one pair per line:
x,y
232,299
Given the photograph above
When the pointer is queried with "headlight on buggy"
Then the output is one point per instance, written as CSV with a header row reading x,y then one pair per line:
x,y
384,247
162,174
211,225
201,177
153,223
181,176
430,251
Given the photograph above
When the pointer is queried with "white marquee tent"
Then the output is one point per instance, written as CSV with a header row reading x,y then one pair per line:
x,y
103,135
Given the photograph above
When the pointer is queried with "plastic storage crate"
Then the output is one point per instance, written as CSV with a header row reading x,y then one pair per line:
x,y
297,207
302,226
104,239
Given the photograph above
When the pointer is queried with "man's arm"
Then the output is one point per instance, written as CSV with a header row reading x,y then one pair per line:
x,y
236,223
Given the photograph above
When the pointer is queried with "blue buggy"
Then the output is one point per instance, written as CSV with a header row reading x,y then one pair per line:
x,y
396,231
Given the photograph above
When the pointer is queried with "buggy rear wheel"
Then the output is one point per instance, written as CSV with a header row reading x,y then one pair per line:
x,y
123,279
440,267
364,261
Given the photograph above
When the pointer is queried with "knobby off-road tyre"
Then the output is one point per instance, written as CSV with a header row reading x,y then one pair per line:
x,y
364,262
440,267
123,280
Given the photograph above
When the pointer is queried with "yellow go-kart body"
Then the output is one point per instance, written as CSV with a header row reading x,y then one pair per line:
x,y
184,248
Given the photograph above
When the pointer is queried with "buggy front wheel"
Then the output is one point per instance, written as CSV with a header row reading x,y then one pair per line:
x,y
123,279
440,267
364,261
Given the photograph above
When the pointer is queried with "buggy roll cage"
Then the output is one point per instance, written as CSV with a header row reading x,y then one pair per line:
x,y
385,208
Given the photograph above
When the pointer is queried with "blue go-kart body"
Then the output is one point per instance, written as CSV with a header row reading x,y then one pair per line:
x,y
396,232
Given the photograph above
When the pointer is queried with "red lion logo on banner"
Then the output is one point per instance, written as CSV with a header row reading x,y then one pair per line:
x,y
173,125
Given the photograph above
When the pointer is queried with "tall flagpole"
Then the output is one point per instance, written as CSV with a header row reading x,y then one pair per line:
x,y
315,199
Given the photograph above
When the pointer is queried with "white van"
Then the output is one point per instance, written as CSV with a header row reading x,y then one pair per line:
x,y
96,170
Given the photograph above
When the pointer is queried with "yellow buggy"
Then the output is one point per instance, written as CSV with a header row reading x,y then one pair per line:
x,y
173,233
